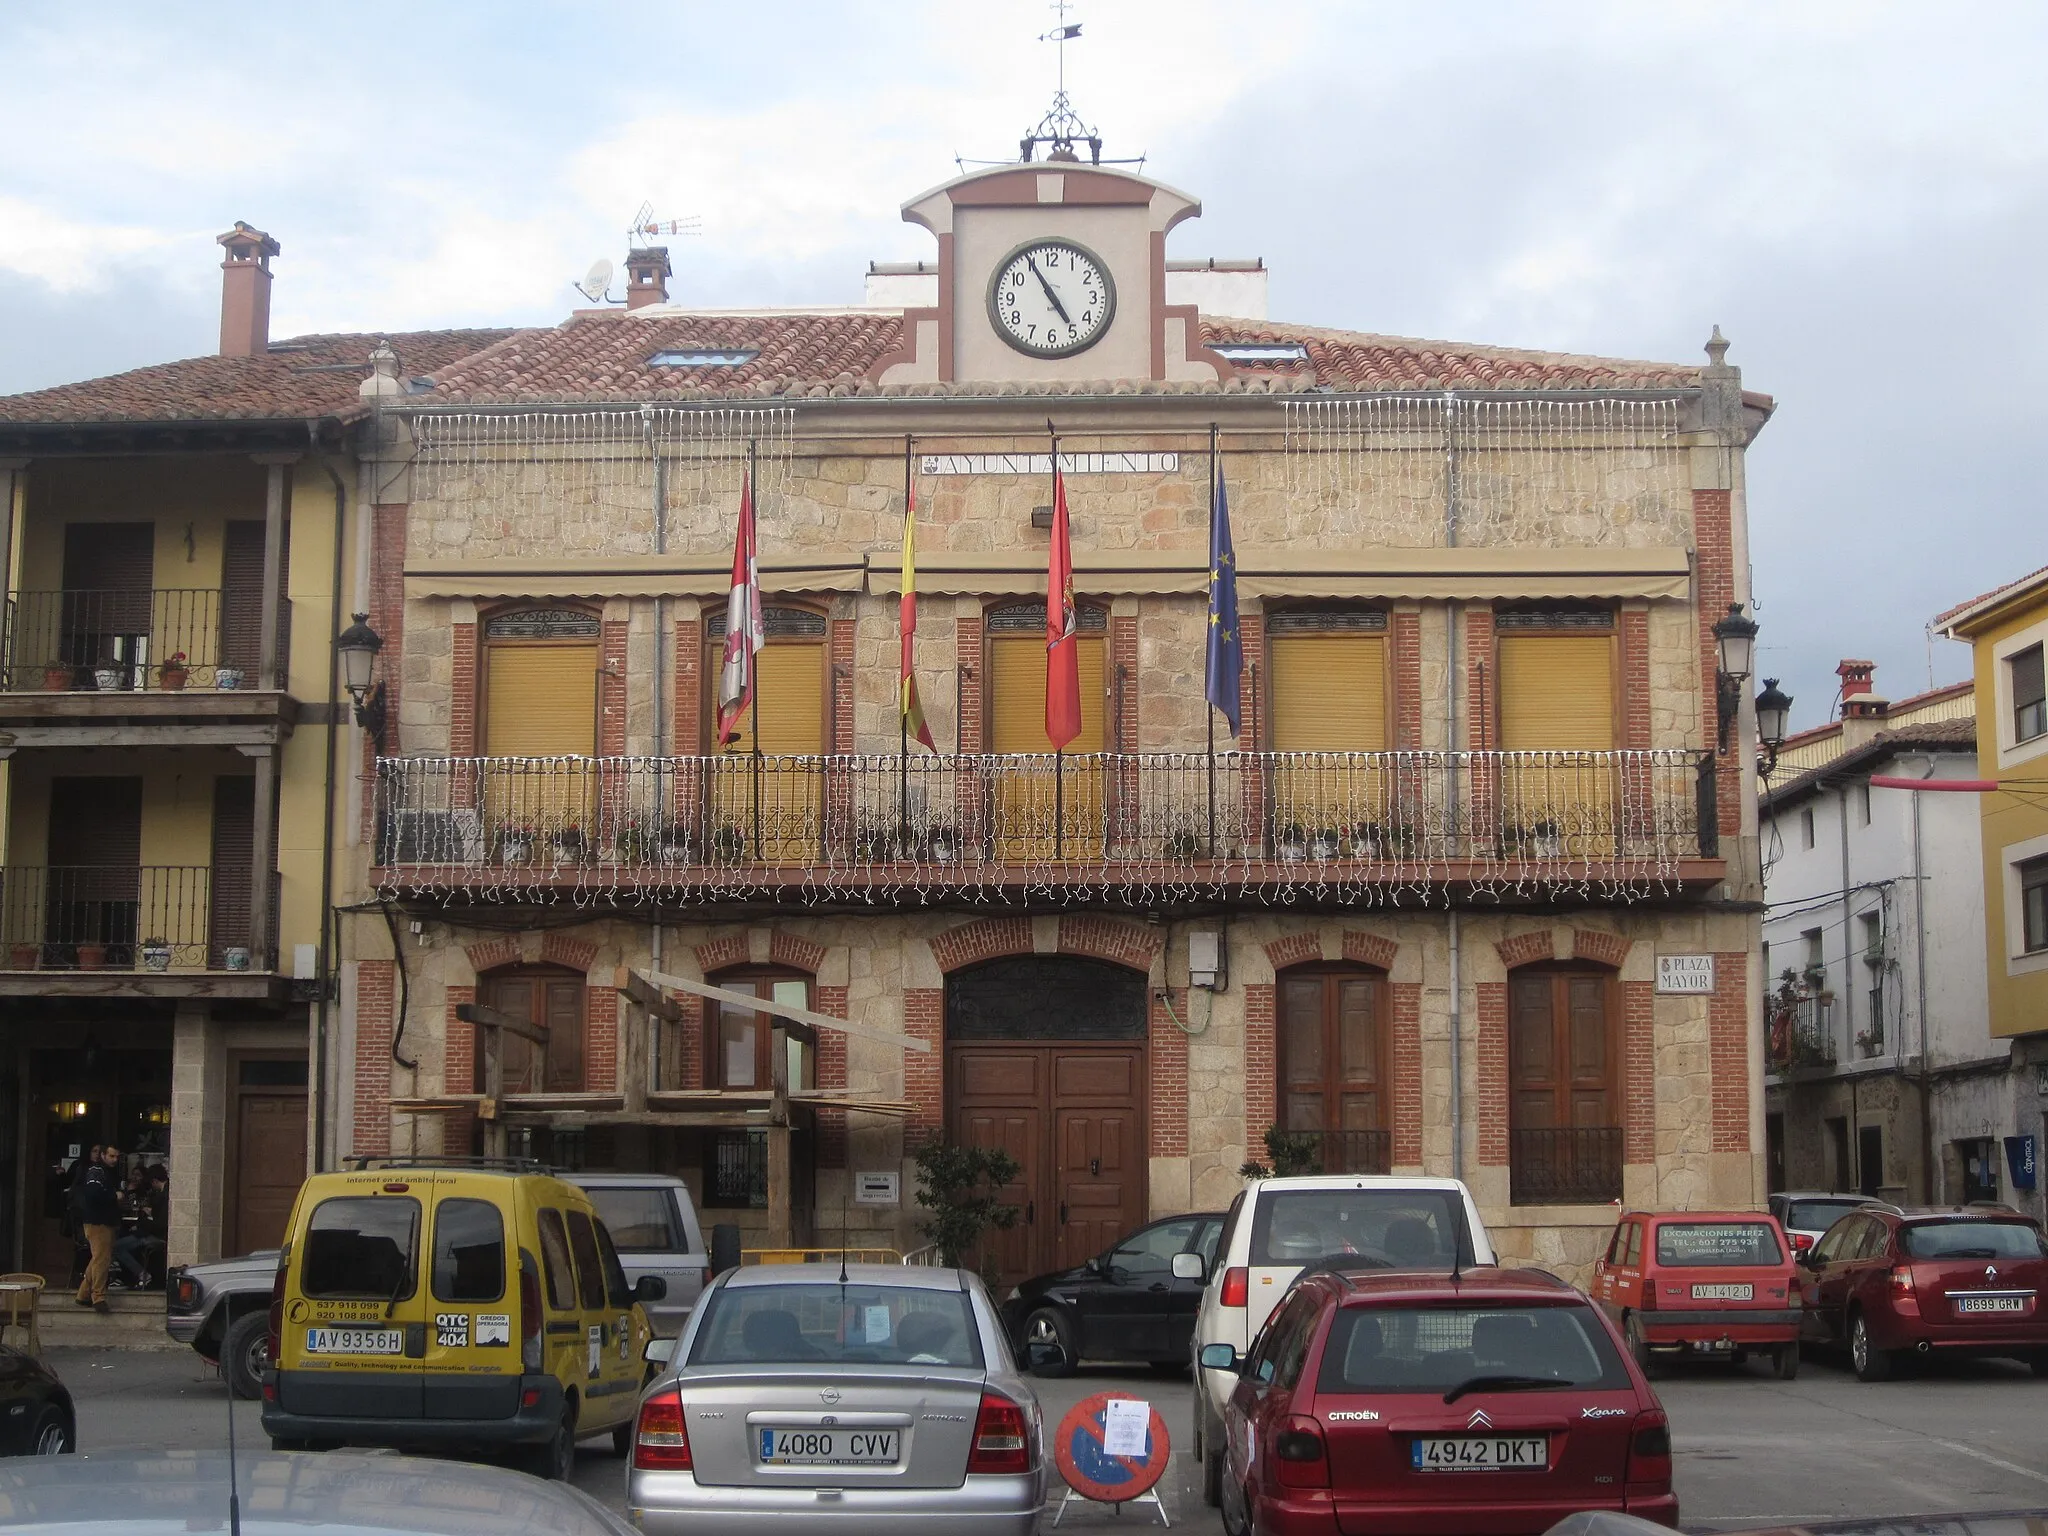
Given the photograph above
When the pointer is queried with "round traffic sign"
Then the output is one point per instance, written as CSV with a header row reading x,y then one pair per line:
x,y
1090,1470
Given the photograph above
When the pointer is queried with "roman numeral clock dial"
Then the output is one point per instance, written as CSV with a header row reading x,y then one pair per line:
x,y
1051,298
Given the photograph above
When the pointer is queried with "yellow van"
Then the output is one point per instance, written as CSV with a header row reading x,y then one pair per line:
x,y
453,1301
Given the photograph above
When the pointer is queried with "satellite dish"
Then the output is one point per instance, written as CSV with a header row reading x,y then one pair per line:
x,y
597,282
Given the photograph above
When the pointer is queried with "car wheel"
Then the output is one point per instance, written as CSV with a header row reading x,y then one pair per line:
x,y
1639,1346
51,1435
1870,1362
1046,1326
1237,1521
244,1354
1212,1474
554,1458
1787,1362
622,1439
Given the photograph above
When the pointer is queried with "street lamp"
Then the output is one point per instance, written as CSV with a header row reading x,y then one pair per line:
x,y
359,645
1773,713
1735,638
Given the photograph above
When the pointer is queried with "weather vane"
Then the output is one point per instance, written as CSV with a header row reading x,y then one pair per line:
x,y
1061,129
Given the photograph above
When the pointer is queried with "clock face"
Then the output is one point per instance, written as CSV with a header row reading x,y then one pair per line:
x,y
1051,298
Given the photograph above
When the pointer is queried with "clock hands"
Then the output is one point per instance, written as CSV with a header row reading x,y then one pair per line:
x,y
1052,297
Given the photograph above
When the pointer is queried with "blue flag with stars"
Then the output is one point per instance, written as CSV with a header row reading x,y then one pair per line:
x,y
1226,643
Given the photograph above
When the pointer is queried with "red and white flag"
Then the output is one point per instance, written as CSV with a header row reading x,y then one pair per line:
x,y
1062,626
743,629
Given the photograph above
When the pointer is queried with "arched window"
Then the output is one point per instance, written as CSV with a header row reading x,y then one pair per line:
x,y
1564,1085
1331,1065
540,682
551,997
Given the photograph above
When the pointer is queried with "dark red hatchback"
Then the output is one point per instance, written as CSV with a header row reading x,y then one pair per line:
x,y
1493,1402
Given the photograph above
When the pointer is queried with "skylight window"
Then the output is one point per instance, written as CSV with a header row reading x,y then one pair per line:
x,y
1261,351
704,357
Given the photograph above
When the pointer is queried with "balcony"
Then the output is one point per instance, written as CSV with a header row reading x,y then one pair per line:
x,y
152,930
1802,1034
1345,1151
1564,1165
168,667
1140,827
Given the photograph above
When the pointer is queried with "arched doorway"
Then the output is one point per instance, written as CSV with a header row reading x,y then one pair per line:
x,y
1045,1058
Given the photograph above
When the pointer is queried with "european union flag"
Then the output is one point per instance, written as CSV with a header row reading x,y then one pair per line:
x,y
1226,643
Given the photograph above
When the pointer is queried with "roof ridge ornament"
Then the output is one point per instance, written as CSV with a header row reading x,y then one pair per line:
x,y
1717,349
1061,128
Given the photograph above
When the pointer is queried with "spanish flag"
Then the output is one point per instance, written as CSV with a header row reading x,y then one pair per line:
x,y
914,723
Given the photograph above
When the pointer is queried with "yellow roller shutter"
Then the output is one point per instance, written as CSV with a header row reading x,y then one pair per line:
x,y
1557,692
542,701
1329,693
1017,695
791,682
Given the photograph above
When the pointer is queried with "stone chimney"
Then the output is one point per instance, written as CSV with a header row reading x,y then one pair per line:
x,y
1863,708
245,292
647,275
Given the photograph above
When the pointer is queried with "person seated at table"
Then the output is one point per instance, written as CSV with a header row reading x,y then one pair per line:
x,y
141,1243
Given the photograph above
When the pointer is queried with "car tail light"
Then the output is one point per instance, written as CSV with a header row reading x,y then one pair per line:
x,y
529,1313
1237,1287
1904,1298
284,1259
1303,1460
660,1442
1002,1438
1649,1449
1801,1241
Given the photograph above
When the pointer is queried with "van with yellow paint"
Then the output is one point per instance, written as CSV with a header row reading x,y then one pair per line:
x,y
453,1302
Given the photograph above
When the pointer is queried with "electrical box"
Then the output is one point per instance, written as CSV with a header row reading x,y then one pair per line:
x,y
1206,967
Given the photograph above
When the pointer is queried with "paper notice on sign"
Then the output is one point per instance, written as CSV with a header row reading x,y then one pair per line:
x,y
1126,1427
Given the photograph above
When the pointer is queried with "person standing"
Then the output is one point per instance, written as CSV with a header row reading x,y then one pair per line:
x,y
74,1224
99,1209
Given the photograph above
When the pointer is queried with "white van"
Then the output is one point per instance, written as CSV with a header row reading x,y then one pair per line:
x,y
1278,1227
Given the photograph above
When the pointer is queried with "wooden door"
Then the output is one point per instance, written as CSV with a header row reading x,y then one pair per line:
x,y
270,1164
999,1095
234,852
241,602
1564,1104
92,891
108,571
552,999
1333,1075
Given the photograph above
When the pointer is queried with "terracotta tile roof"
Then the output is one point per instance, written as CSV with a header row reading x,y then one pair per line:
x,y
281,386
603,356
1951,735
1941,620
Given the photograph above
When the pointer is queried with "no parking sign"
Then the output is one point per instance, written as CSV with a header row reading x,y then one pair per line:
x,y
1090,1449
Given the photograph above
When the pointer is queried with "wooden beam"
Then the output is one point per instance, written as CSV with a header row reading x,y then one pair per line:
x,y
254,735
790,1011
485,1017
648,996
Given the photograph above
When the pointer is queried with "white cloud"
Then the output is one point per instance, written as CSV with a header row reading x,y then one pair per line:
x,y
69,255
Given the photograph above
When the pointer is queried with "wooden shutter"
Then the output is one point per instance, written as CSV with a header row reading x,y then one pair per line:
x,y
541,701
1556,692
234,848
1329,693
1017,682
95,839
110,567
557,1068
241,598
563,1000
790,681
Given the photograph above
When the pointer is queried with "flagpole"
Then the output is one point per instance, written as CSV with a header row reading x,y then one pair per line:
x,y
1059,756
753,660
1210,649
902,712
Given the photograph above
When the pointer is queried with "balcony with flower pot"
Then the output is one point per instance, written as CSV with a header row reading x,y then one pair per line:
x,y
115,931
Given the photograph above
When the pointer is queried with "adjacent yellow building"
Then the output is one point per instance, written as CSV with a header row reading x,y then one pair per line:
x,y
2008,630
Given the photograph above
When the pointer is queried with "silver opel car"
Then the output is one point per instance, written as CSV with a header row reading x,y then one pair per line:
x,y
869,1397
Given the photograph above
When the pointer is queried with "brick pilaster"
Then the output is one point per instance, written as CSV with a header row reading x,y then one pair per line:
x,y
1492,1073
1481,714
374,996
611,688
1168,1070
601,1041
1260,1091
686,724
459,1070
1728,1051
1407,1068
1712,516
968,650
832,1001
1639,1071
1406,637
1250,700
841,661
462,691
1635,679
924,1010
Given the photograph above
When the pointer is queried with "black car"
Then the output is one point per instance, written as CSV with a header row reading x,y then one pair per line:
x,y
36,1417
1126,1304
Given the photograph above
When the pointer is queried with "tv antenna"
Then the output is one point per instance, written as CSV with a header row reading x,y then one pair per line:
x,y
645,224
597,282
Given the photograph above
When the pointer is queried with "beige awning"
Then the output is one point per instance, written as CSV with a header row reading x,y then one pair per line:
x,y
1103,573
629,576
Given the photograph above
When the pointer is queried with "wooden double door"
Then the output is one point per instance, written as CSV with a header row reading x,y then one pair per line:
x,y
1072,1114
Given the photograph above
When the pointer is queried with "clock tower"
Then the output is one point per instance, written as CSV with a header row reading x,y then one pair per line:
x,y
1051,272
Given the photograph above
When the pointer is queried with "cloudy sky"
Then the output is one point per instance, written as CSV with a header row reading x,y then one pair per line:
x,y
1853,192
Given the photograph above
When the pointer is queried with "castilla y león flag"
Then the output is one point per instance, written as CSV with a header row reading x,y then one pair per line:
x,y
744,632
912,706
1062,627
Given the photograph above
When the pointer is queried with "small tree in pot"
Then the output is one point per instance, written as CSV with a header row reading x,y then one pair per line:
x,y
961,1187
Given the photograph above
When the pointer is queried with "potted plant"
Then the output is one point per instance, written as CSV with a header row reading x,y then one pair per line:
x,y
58,676
110,679
1367,840
1869,1042
235,957
729,844
672,845
871,845
568,843
227,679
1183,845
156,954
92,955
24,957
1325,845
942,845
1293,843
1815,977
628,845
515,845
172,674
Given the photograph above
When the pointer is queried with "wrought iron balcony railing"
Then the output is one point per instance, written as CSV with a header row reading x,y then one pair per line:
x,y
130,918
858,824
1802,1033
1566,1165
125,641
1347,1151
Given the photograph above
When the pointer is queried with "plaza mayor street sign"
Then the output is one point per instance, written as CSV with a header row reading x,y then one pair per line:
x,y
1685,975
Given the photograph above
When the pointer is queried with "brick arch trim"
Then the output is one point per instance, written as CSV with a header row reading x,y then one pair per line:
x,y
1526,948
1100,938
493,954
1601,948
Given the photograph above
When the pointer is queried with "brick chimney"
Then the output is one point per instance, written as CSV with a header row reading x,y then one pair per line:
x,y
1863,708
245,292
647,275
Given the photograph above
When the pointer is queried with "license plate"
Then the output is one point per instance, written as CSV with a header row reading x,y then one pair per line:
x,y
355,1341
1723,1292
1991,1304
1481,1453
828,1447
